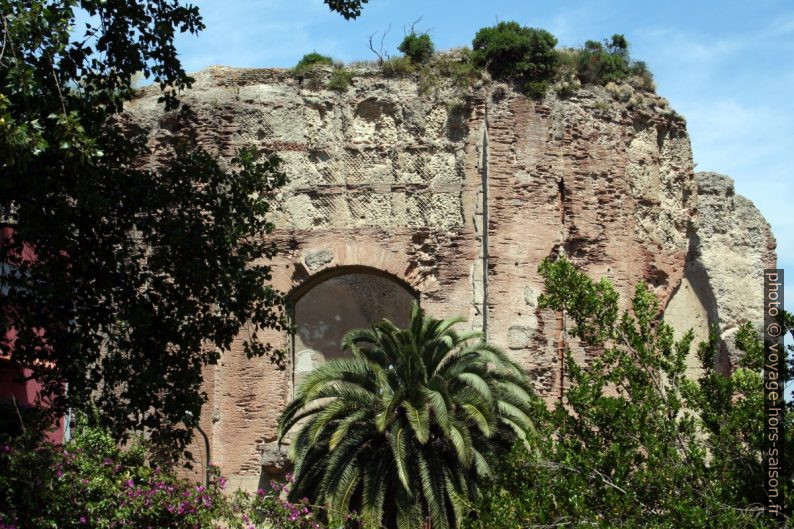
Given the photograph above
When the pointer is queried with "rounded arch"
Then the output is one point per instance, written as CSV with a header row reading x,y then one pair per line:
x,y
335,258
304,287
337,300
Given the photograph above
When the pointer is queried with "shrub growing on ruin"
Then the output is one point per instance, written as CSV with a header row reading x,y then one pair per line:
x,y
310,61
601,63
398,67
639,69
417,47
511,51
636,443
458,66
340,79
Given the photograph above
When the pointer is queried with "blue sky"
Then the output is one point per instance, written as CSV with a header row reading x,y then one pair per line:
x,y
727,66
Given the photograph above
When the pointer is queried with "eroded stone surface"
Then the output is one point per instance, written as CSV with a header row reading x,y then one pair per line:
x,y
731,245
461,202
684,312
318,258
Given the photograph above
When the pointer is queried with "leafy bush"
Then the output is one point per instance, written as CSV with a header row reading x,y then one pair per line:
x,y
640,70
511,51
636,443
310,61
340,79
600,63
269,509
535,89
90,483
565,78
417,47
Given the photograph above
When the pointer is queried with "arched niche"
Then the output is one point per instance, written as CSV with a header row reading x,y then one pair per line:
x,y
329,305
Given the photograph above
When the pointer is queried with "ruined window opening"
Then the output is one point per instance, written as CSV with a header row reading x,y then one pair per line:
x,y
327,307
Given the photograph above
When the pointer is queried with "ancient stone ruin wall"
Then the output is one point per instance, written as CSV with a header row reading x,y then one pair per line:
x,y
456,195
722,283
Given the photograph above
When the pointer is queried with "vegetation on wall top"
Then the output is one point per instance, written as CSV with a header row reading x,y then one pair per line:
x,y
311,61
509,51
417,47
523,56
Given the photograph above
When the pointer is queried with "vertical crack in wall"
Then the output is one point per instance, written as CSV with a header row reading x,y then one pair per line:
x,y
561,314
561,191
485,220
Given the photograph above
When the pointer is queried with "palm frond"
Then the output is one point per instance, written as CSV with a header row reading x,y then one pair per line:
x,y
344,426
438,406
409,511
433,490
419,420
399,446
374,492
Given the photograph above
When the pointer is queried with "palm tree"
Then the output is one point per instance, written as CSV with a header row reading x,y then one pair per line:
x,y
403,431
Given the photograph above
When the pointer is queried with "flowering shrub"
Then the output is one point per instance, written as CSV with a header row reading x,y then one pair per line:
x,y
270,508
90,483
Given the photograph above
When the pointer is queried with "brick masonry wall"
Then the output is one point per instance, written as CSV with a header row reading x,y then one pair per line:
x,y
458,193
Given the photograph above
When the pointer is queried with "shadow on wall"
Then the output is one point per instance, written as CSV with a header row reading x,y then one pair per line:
x,y
327,311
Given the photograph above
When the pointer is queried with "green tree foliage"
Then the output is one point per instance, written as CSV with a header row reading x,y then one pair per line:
x,y
347,8
511,51
636,443
122,280
406,428
600,63
418,47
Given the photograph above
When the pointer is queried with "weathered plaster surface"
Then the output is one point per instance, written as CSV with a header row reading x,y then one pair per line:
x,y
459,194
729,249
